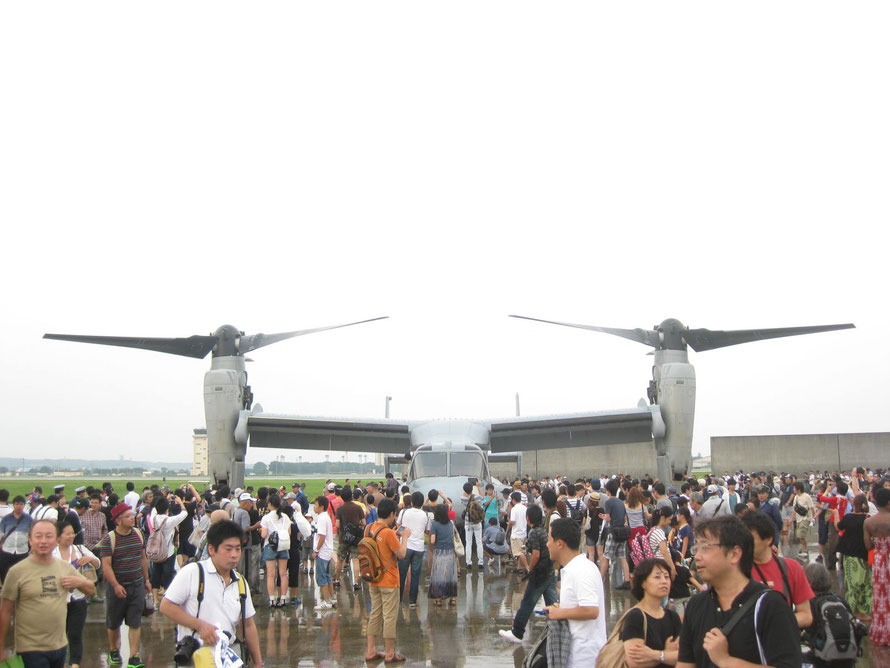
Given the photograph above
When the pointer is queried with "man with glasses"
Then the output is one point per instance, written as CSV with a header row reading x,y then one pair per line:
x,y
737,622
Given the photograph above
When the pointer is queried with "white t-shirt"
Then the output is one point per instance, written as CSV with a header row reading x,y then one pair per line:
x,y
519,529
324,527
271,522
5,510
416,520
132,499
581,585
221,605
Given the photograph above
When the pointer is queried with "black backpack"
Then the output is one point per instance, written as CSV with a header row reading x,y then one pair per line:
x,y
576,512
835,634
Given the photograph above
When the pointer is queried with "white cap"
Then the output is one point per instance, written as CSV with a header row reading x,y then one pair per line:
x,y
713,489
245,497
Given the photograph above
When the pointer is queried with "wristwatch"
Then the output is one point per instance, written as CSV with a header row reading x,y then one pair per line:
x,y
661,658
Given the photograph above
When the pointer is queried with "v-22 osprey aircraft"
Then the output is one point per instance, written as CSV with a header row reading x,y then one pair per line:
x,y
444,454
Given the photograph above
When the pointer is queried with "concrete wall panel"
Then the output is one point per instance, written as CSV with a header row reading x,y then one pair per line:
x,y
799,453
864,450
632,458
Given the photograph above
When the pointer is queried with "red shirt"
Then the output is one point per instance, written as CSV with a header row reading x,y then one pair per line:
x,y
771,575
333,506
838,503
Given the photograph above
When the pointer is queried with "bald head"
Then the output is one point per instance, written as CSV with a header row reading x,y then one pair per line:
x,y
218,516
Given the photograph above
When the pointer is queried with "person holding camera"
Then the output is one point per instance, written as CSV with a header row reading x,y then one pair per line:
x,y
222,605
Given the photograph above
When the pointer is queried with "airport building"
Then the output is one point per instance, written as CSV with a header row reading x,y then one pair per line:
x,y
200,453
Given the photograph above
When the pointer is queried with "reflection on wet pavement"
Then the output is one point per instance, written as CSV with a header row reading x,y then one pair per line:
x,y
427,635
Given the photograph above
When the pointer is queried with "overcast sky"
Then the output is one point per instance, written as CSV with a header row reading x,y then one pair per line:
x,y
166,168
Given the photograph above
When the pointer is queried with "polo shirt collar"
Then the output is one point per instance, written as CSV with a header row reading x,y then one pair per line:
x,y
752,587
210,567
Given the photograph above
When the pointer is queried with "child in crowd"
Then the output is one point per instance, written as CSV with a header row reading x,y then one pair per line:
x,y
680,592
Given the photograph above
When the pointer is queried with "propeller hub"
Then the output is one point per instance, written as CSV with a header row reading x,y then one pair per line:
x,y
228,341
670,334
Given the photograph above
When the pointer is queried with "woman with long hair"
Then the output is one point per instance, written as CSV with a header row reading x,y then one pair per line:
x,y
79,557
857,572
649,631
637,517
443,567
278,523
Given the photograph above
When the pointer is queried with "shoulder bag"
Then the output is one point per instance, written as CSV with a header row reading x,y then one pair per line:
x,y
88,571
612,653
458,543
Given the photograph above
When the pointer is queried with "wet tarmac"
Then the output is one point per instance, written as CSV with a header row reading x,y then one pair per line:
x,y
448,636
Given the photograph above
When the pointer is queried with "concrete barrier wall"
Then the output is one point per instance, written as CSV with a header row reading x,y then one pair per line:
x,y
800,453
632,458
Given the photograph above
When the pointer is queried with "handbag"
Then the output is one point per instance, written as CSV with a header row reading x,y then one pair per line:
x,y
612,653
620,534
458,543
15,662
88,571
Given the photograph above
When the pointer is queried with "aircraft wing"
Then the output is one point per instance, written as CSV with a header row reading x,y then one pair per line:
x,y
631,425
334,434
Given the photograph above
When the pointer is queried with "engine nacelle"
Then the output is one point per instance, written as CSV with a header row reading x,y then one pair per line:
x,y
675,380
224,392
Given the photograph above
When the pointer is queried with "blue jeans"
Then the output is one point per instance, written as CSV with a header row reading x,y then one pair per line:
x,y
54,659
547,589
414,559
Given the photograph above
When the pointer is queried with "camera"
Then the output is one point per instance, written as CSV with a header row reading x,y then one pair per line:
x,y
184,650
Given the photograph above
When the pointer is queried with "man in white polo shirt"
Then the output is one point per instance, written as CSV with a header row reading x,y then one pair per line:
x,y
221,607
581,599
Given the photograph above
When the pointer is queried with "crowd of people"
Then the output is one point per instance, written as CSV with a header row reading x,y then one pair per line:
x,y
721,567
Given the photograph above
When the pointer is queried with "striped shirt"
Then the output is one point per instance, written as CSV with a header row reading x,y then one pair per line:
x,y
126,561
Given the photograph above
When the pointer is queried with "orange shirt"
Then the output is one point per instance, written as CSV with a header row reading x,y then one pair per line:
x,y
387,543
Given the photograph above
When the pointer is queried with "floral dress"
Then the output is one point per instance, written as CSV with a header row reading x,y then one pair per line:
x,y
880,625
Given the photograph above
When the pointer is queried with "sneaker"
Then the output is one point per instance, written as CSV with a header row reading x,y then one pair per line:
x,y
295,602
281,603
623,585
412,605
508,635
272,602
114,657
819,559
333,603
135,662
356,587
324,605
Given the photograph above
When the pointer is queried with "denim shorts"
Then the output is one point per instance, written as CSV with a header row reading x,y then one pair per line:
x,y
322,572
271,555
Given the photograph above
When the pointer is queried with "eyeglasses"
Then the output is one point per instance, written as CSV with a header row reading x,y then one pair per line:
x,y
704,547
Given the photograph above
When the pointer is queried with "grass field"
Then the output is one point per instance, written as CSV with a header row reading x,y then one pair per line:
x,y
25,486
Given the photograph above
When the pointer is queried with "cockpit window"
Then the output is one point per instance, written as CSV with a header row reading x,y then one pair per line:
x,y
429,464
469,464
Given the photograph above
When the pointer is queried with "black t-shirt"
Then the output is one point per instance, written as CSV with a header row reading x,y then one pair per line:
x,y
680,584
776,628
255,536
658,631
187,525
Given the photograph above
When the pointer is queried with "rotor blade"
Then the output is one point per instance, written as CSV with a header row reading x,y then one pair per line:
x,y
644,336
704,339
194,346
255,341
